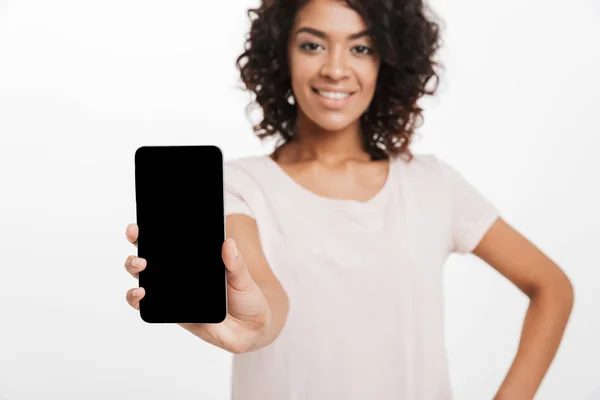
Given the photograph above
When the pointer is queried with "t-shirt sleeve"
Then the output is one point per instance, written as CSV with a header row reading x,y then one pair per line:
x,y
472,213
238,186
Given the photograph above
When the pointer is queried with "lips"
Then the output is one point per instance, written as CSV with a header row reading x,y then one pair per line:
x,y
333,99
332,93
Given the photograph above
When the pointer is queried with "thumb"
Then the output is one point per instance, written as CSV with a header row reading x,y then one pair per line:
x,y
238,276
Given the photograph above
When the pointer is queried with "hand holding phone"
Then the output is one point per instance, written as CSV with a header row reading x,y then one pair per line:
x,y
248,314
189,273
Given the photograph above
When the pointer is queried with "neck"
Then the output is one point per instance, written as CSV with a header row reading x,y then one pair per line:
x,y
313,143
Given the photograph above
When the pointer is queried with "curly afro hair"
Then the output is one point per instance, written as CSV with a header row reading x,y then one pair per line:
x,y
406,39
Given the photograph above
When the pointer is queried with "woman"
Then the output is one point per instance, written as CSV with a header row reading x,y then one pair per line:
x,y
337,240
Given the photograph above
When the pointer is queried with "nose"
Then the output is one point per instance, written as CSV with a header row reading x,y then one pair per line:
x,y
335,66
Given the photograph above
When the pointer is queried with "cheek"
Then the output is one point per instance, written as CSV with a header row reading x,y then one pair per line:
x,y
301,66
298,74
368,77
299,77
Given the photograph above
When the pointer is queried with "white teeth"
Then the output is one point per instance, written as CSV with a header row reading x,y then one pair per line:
x,y
333,95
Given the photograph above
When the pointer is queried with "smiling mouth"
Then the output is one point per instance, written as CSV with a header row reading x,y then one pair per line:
x,y
332,94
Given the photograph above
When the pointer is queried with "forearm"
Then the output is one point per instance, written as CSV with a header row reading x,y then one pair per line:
x,y
543,327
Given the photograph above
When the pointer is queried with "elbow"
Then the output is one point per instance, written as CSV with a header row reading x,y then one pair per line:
x,y
566,292
561,292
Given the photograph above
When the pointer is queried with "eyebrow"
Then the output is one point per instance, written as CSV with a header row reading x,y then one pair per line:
x,y
323,35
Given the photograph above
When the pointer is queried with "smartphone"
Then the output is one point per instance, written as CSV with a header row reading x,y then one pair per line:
x,y
180,216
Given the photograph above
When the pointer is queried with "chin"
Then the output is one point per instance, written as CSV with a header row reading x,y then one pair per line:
x,y
333,123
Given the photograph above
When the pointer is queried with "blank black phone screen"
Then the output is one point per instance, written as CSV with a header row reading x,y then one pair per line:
x,y
180,217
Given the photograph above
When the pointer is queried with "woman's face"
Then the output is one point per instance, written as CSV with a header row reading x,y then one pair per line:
x,y
332,62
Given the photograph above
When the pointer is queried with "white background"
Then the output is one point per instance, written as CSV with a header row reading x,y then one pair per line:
x,y
85,83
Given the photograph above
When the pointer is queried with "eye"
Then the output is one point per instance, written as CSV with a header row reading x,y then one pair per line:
x,y
363,50
309,46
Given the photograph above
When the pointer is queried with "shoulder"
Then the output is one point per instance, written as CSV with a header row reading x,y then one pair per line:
x,y
246,167
248,174
425,172
422,165
244,162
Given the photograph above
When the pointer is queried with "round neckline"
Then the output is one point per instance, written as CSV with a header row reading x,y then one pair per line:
x,y
340,203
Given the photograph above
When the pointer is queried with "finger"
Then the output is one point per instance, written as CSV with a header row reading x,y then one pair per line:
x,y
134,296
131,233
238,276
134,265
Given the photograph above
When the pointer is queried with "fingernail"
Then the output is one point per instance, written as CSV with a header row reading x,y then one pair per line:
x,y
136,262
135,292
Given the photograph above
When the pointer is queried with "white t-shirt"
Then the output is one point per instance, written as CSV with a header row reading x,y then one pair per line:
x,y
365,280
